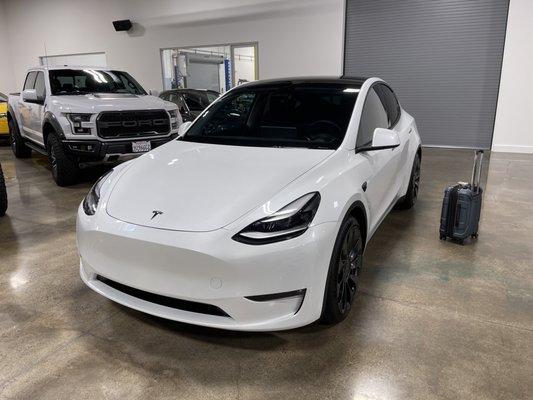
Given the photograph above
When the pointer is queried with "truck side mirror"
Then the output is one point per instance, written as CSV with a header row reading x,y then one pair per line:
x,y
29,95
154,92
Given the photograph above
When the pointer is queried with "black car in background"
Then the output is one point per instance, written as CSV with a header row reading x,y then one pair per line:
x,y
191,102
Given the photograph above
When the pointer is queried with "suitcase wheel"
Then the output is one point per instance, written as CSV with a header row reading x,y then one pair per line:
x,y
442,237
474,235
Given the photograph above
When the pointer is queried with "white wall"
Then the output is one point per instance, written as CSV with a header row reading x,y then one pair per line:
x,y
7,79
296,37
512,130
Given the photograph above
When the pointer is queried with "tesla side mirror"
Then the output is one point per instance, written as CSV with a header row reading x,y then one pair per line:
x,y
154,92
183,128
383,139
29,95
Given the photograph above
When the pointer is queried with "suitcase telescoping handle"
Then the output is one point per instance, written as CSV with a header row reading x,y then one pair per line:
x,y
476,171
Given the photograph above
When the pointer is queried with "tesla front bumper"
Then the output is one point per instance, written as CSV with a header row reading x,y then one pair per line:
x,y
206,278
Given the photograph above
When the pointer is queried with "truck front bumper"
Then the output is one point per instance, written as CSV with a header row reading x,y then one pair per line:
x,y
98,152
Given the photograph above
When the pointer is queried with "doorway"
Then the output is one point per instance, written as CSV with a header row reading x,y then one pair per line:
x,y
217,68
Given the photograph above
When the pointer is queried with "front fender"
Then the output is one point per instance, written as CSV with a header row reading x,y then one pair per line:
x,y
50,118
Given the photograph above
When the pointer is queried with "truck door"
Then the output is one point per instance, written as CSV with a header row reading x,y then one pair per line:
x,y
24,109
37,109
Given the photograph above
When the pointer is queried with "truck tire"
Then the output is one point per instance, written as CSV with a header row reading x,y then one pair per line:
x,y
3,194
65,170
20,150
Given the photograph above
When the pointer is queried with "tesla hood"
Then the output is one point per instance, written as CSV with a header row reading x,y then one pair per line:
x,y
189,186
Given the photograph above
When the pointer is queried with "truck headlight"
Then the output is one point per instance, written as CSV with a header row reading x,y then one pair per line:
x,y
76,121
174,118
90,202
289,222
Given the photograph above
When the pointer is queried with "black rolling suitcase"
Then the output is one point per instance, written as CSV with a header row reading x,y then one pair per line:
x,y
461,207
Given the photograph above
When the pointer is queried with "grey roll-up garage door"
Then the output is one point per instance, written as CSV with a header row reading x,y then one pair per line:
x,y
442,57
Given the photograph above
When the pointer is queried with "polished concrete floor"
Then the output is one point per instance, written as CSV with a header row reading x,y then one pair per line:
x,y
434,320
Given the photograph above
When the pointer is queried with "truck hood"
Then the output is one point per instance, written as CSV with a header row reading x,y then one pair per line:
x,y
203,187
97,102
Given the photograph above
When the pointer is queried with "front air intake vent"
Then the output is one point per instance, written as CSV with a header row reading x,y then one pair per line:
x,y
172,302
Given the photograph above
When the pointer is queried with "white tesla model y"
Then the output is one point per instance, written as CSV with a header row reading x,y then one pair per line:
x,y
257,216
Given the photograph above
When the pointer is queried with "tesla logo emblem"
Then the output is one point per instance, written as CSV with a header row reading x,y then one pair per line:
x,y
155,213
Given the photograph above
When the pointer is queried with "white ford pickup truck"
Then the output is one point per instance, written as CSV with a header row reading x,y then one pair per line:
x,y
82,116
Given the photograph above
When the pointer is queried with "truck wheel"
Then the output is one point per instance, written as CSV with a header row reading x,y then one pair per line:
x,y
64,169
3,194
20,150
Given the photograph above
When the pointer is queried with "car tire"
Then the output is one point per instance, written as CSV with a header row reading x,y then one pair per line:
x,y
409,200
64,169
344,271
20,150
3,194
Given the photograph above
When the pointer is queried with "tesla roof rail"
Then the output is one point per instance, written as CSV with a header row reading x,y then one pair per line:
x,y
305,80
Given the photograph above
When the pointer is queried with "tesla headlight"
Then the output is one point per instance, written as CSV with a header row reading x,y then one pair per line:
x,y
291,221
90,202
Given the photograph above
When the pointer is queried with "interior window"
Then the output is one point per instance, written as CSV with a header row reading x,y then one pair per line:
x,y
373,116
389,102
39,86
30,80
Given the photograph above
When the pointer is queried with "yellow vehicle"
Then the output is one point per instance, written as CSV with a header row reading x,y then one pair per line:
x,y
4,128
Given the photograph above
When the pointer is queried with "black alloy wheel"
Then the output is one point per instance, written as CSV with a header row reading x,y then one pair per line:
x,y
409,200
416,178
345,269
348,269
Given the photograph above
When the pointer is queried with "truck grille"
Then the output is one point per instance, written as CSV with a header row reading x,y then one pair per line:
x,y
121,124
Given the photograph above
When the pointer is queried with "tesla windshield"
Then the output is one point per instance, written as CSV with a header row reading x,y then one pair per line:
x,y
71,81
311,115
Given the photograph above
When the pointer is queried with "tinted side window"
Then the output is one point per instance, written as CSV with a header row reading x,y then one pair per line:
x,y
39,86
178,100
195,102
30,80
373,116
389,102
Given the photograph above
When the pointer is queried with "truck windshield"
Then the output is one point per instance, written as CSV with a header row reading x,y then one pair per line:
x,y
297,115
72,82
